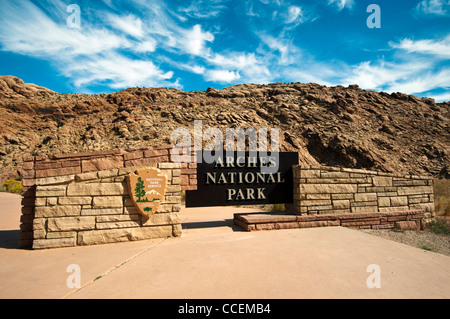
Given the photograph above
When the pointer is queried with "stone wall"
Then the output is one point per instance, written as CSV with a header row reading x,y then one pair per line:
x,y
63,169
404,220
95,208
331,190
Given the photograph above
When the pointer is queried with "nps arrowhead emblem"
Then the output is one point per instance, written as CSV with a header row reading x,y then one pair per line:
x,y
147,188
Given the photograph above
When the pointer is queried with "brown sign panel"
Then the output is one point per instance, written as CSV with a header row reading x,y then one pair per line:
x,y
147,188
239,180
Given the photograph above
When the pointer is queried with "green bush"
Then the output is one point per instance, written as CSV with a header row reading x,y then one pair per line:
x,y
439,227
12,186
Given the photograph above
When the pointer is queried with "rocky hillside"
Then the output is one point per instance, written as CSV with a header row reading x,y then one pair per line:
x,y
338,126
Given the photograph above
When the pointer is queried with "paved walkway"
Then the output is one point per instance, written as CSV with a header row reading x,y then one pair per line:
x,y
214,260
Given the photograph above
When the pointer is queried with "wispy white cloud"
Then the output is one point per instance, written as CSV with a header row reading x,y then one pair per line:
x,y
204,9
442,97
439,48
148,44
434,7
294,15
128,24
194,41
89,56
414,69
28,30
117,71
342,4
223,76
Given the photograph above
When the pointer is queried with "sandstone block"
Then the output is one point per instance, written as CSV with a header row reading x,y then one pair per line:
x,y
156,153
108,173
341,204
315,202
118,224
45,191
319,223
95,189
426,207
147,162
364,209
99,164
39,224
365,197
176,230
317,208
359,171
58,172
39,234
107,202
41,201
393,209
54,243
131,210
328,188
76,200
101,211
52,201
268,226
184,180
172,199
361,223
57,211
106,236
71,223
86,176
382,181
54,180
362,204
334,175
27,182
127,170
170,166
161,219
62,234
317,196
173,189
306,173
406,225
42,165
133,155
417,190
342,196
384,201
118,218
176,173
399,201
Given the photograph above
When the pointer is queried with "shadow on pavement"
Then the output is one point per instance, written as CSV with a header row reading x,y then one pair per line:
x,y
211,224
9,239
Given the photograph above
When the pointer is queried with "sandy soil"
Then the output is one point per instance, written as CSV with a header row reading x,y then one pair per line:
x,y
426,240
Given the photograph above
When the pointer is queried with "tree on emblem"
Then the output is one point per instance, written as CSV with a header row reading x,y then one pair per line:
x,y
139,191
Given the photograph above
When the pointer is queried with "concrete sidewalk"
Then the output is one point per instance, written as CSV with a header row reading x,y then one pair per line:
x,y
213,259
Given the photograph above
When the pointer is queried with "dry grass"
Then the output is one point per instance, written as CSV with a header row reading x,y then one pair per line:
x,y
442,196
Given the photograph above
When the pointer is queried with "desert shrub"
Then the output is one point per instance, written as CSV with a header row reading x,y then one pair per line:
x,y
278,207
12,186
442,196
439,227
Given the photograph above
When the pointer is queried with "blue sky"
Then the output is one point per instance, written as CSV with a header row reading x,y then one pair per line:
x,y
193,45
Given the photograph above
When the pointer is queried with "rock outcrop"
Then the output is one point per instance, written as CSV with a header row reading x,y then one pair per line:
x,y
337,126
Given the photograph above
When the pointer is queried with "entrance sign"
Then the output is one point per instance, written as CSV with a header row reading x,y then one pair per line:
x,y
239,180
147,188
